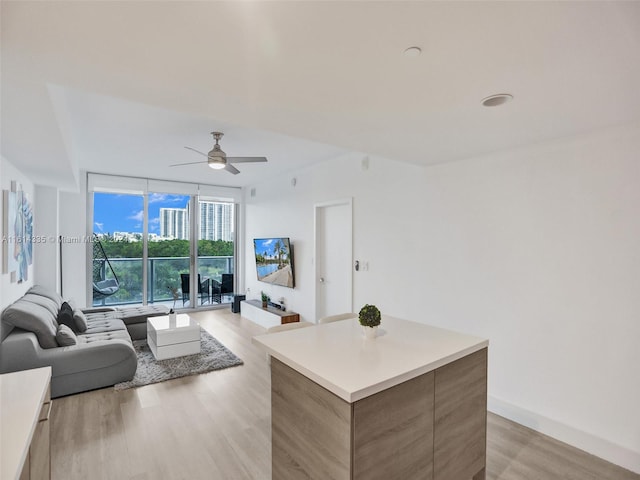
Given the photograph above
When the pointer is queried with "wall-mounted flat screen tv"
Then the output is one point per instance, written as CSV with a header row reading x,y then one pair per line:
x,y
274,261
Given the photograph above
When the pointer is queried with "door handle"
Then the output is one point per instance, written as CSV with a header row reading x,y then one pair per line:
x,y
321,279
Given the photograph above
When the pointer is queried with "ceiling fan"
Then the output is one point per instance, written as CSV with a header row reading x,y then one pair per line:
x,y
218,160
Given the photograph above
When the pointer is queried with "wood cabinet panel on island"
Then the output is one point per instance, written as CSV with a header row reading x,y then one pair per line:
x,y
392,432
409,404
460,417
306,419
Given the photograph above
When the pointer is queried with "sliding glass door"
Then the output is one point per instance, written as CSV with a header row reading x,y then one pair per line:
x,y
168,249
216,235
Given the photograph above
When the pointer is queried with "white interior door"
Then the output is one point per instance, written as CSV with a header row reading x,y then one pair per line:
x,y
333,258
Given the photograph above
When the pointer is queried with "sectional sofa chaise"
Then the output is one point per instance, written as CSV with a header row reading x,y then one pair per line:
x,y
86,348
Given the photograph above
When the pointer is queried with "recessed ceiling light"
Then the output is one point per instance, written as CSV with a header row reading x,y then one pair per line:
x,y
412,52
495,100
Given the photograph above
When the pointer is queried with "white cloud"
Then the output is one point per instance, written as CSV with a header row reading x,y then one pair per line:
x,y
157,197
139,216
164,197
99,226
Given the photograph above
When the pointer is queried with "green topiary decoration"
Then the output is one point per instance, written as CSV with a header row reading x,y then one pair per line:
x,y
369,316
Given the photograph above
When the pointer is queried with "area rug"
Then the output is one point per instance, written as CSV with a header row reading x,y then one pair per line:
x,y
213,356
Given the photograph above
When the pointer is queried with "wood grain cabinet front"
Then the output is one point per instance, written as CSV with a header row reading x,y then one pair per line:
x,y
431,427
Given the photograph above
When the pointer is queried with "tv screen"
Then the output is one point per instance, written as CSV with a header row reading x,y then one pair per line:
x,y
274,261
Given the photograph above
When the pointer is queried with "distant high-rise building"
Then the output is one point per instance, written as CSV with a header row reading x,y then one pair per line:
x,y
174,223
216,220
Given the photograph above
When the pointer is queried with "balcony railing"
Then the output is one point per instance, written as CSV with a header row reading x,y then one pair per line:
x,y
163,276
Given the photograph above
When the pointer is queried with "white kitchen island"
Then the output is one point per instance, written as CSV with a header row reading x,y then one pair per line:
x,y
410,404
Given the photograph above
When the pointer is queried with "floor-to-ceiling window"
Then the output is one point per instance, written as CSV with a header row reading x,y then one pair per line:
x,y
168,248
161,242
216,236
117,253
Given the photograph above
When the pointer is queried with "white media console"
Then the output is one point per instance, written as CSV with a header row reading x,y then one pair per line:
x,y
266,317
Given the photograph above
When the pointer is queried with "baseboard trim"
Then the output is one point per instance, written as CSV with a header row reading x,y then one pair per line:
x,y
597,446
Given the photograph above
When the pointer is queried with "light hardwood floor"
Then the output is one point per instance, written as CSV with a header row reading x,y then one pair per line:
x,y
217,426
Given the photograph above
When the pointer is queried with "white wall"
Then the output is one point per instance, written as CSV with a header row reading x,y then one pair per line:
x,y
47,267
387,190
54,213
536,249
73,226
11,291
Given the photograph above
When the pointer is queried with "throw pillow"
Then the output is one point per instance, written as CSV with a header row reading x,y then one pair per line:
x,y
65,316
65,336
80,320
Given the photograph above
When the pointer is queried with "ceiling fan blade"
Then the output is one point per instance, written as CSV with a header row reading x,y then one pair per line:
x,y
230,168
197,151
246,159
189,163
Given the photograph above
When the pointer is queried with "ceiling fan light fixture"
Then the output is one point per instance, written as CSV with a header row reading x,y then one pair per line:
x,y
216,152
217,158
217,162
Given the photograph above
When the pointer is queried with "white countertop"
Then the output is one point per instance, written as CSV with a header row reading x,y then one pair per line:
x,y
338,356
21,397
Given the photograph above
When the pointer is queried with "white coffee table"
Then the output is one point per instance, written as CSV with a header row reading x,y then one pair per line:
x,y
170,337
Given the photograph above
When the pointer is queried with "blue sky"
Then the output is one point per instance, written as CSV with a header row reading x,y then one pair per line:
x,y
263,245
123,213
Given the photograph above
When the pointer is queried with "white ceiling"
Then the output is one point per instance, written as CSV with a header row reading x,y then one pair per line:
x,y
122,87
